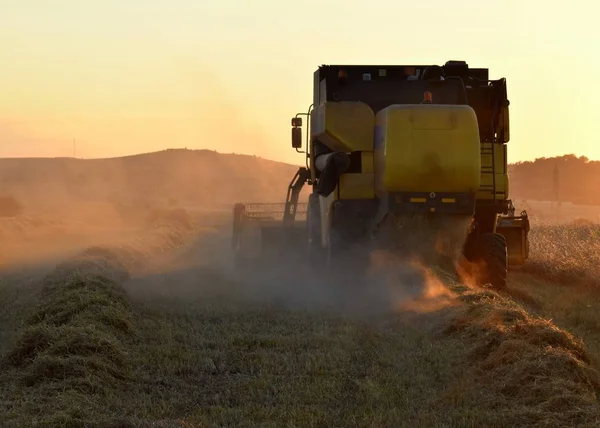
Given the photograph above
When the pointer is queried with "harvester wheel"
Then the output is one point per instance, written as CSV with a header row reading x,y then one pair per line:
x,y
492,254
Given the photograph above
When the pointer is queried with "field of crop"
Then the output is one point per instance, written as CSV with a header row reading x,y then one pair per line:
x,y
155,330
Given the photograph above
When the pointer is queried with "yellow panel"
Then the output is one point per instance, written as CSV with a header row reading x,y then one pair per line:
x,y
427,148
344,126
367,160
500,158
357,186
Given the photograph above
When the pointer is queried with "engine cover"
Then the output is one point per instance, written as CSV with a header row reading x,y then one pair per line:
x,y
427,148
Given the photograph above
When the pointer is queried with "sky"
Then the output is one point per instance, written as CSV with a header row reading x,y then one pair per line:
x,y
120,78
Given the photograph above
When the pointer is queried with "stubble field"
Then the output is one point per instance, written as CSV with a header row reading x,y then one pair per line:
x,y
153,328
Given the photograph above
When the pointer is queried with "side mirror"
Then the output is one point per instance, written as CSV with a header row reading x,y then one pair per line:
x,y
296,132
296,138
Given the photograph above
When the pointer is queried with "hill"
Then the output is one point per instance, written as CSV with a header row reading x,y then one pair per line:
x,y
200,178
93,188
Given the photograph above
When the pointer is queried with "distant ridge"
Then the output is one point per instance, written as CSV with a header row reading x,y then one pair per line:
x,y
198,177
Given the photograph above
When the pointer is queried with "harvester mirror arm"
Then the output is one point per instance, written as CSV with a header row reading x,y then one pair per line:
x,y
297,131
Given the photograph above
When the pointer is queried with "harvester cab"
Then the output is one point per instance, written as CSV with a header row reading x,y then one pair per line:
x,y
401,141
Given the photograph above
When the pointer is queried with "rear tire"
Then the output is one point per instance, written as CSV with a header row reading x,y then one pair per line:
x,y
492,256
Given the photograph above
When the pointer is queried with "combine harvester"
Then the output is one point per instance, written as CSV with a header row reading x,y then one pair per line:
x,y
383,141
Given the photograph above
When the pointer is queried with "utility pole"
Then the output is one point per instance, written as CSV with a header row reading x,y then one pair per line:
x,y
556,182
556,188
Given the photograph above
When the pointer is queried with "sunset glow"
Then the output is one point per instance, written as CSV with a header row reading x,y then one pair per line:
x,y
129,77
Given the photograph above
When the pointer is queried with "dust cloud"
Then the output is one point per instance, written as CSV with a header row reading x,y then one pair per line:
x,y
408,281
51,207
66,205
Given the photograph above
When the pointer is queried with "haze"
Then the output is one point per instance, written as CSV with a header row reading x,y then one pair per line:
x,y
129,77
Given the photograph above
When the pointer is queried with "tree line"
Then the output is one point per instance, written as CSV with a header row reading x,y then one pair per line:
x,y
565,178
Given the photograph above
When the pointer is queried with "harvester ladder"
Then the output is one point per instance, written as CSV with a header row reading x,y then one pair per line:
x,y
293,194
489,168
493,142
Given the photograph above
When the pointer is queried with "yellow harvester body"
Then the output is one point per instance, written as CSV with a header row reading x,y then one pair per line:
x,y
404,140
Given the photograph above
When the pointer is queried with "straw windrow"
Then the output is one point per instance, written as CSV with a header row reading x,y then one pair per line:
x,y
73,347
